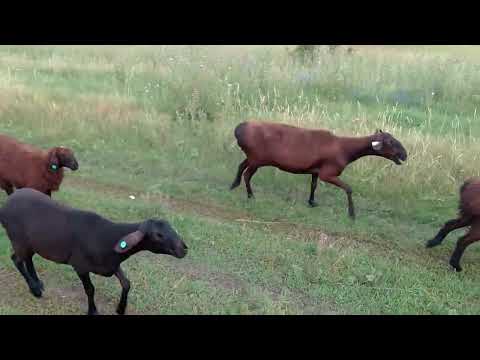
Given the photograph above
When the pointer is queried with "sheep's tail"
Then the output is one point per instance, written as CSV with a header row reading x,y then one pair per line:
x,y
467,193
461,210
239,133
465,185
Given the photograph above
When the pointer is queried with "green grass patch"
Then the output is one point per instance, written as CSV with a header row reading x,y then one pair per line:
x,y
157,123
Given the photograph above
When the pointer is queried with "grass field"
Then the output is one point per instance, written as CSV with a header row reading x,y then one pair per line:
x,y
157,122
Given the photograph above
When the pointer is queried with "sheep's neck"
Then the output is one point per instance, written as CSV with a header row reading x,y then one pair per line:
x,y
357,147
126,229
54,179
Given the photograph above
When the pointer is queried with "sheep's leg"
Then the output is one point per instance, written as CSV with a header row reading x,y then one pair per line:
x,y
247,176
125,283
32,284
348,190
7,187
238,178
33,272
462,244
90,291
313,187
446,229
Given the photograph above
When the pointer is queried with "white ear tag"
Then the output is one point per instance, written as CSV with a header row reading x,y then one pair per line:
x,y
376,145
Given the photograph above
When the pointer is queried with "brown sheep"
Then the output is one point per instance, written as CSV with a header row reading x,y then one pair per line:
x,y
23,165
469,215
305,151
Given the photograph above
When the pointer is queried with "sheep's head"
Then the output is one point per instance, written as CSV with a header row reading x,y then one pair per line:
x,y
156,236
61,157
387,146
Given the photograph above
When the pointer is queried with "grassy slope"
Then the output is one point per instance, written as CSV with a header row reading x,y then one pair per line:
x,y
157,122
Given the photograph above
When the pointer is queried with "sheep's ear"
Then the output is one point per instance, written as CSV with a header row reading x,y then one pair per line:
x,y
53,161
129,241
376,145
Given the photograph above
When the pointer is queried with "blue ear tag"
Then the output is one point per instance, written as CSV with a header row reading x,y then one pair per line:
x,y
123,244
54,167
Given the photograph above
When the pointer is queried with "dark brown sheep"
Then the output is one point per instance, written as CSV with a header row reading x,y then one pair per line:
x,y
469,215
304,151
23,165
36,224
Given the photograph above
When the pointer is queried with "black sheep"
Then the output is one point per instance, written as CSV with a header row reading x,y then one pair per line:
x,y
36,224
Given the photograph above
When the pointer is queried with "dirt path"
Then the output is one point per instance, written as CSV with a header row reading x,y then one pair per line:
x,y
203,208
206,209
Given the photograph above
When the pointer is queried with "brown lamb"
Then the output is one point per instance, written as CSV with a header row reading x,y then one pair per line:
x,y
469,215
307,151
23,165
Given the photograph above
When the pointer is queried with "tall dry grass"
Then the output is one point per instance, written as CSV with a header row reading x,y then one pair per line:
x,y
199,93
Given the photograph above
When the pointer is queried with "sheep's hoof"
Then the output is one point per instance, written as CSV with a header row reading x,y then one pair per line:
x,y
312,203
95,312
250,196
36,291
120,311
455,266
432,243
40,285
